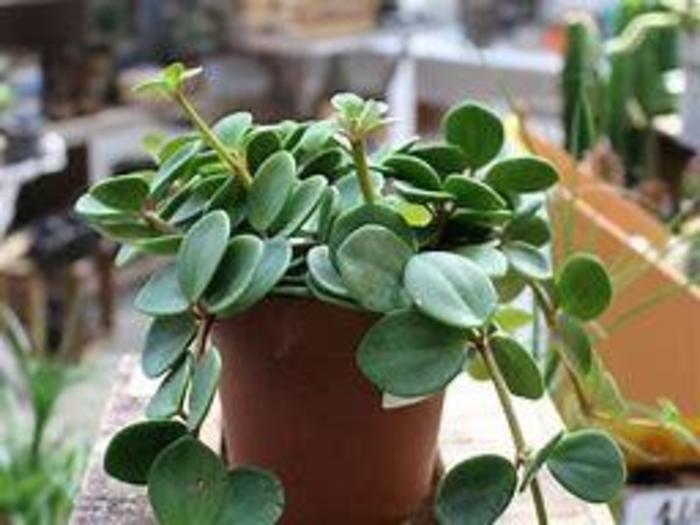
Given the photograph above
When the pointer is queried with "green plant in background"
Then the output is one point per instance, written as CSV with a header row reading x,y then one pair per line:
x,y
37,480
614,89
436,239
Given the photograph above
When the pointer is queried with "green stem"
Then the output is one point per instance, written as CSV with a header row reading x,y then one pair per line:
x,y
157,223
205,327
522,450
551,319
359,155
37,437
236,165
538,500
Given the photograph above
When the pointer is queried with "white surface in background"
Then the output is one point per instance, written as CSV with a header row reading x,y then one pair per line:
x,y
52,159
662,507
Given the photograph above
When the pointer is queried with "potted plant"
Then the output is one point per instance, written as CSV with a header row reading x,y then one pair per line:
x,y
307,280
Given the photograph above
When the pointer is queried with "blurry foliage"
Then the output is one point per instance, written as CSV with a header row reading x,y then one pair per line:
x,y
157,30
615,92
37,479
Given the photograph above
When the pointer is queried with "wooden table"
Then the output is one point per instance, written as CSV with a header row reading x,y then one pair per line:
x,y
472,424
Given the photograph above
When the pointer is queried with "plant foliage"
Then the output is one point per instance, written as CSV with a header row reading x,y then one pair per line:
x,y
422,235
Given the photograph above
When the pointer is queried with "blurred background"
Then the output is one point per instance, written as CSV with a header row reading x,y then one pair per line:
x,y
69,118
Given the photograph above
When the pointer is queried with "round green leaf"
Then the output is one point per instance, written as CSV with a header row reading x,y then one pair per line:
x,y
487,257
371,262
584,287
354,219
235,272
166,341
465,218
350,191
128,230
123,192
522,175
229,197
198,199
476,492
131,452
450,289
407,354
328,210
315,137
322,294
475,367
261,144
201,252
303,201
205,381
188,484
164,245
413,170
528,261
531,229
173,167
276,256
510,286
444,158
576,344
477,131
418,195
232,128
89,207
512,319
167,401
254,497
324,162
519,369
323,272
271,187
589,465
162,295
474,194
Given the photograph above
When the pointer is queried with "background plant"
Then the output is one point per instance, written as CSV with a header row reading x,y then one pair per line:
x,y
435,239
38,478
613,90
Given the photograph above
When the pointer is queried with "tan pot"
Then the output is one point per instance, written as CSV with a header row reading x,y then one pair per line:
x,y
653,352
294,402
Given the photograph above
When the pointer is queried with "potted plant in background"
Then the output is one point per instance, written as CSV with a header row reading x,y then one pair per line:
x,y
677,14
308,279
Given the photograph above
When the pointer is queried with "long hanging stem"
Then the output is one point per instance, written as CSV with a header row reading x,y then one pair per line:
x,y
549,311
522,450
236,165
359,155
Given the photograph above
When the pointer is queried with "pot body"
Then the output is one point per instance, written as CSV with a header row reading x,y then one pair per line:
x,y
295,402
690,102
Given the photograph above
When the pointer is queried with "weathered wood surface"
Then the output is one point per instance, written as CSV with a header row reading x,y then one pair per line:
x,y
472,424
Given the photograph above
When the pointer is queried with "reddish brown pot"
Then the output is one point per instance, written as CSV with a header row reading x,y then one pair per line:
x,y
294,402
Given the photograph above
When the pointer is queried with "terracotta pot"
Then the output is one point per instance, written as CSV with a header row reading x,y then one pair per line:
x,y
294,402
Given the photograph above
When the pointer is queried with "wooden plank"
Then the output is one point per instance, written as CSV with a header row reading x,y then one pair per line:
x,y
472,424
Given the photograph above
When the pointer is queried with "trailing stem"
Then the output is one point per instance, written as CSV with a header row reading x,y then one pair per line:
x,y
551,321
235,163
359,156
521,447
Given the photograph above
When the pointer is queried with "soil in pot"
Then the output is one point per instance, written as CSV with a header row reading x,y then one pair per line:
x,y
295,402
